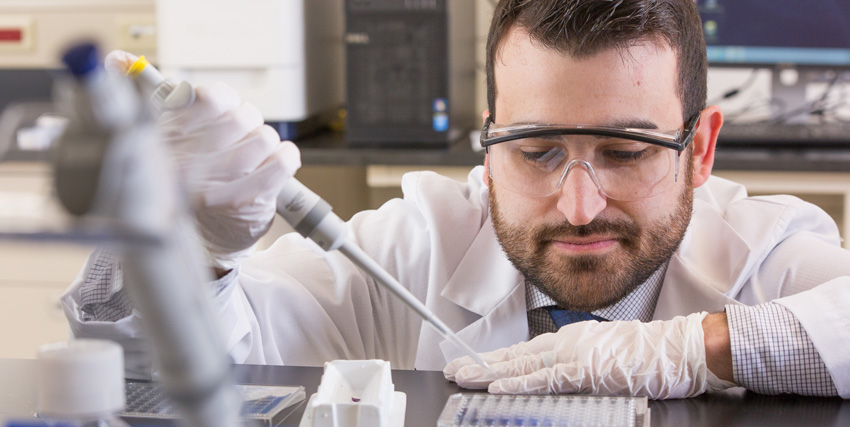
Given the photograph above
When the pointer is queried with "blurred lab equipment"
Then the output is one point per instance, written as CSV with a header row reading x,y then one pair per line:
x,y
285,57
262,405
81,383
109,163
111,173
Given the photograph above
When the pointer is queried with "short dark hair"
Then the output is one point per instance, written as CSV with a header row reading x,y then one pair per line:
x,y
582,28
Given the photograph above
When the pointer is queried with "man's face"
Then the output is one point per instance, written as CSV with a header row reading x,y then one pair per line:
x,y
584,250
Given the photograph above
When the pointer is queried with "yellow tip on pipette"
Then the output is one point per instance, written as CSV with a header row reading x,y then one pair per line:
x,y
138,67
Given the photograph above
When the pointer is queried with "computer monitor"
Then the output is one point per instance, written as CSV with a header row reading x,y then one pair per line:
x,y
810,38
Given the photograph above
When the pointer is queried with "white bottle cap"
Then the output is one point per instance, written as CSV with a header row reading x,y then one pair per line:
x,y
80,379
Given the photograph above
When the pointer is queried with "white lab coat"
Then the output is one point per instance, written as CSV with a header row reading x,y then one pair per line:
x,y
294,304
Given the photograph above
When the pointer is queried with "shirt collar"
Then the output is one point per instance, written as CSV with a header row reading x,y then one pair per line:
x,y
638,305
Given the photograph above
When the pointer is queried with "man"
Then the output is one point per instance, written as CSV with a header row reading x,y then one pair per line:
x,y
595,209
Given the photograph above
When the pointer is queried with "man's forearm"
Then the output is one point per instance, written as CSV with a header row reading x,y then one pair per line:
x,y
718,347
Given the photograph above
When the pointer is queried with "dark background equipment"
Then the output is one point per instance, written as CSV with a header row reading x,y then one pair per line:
x,y
410,72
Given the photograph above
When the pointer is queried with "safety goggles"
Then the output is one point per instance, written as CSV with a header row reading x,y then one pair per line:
x,y
625,163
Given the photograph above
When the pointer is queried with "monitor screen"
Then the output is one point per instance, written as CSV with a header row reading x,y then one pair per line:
x,y
771,32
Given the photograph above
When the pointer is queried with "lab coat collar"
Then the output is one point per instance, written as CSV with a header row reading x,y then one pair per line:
x,y
487,284
484,276
502,327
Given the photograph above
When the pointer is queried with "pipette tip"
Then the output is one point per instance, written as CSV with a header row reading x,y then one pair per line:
x,y
479,360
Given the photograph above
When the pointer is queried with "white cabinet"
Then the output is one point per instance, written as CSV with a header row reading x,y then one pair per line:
x,y
32,274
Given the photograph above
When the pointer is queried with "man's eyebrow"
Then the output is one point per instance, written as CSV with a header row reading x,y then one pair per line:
x,y
634,123
524,123
622,123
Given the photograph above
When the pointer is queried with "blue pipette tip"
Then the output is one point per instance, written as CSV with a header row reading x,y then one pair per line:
x,y
81,59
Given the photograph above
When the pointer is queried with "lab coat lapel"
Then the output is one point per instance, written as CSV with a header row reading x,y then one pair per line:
x,y
487,284
712,262
685,291
505,325
484,277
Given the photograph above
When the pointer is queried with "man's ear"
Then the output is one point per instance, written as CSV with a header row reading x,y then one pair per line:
x,y
704,143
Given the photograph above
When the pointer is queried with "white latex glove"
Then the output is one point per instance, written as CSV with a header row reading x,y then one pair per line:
x,y
659,360
232,165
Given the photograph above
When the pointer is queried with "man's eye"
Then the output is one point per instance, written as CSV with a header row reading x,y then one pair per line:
x,y
542,154
624,156
534,156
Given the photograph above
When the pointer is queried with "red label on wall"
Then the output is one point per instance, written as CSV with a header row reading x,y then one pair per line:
x,y
11,34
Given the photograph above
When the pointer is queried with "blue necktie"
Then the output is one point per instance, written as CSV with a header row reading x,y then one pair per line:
x,y
563,317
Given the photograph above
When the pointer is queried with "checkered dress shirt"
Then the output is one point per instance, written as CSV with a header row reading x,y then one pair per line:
x,y
772,353
639,304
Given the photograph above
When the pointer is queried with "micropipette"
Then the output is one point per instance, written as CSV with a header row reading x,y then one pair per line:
x,y
304,210
312,218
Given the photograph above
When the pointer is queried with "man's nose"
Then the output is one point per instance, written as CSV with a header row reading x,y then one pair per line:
x,y
580,198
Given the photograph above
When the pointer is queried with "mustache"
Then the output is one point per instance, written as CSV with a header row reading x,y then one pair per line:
x,y
620,229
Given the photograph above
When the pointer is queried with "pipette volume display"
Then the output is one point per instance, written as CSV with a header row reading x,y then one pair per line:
x,y
307,213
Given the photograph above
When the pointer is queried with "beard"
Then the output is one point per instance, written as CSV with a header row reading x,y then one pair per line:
x,y
591,282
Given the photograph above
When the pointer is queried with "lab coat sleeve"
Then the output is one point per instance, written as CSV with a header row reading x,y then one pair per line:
x,y
824,312
780,249
295,304
813,274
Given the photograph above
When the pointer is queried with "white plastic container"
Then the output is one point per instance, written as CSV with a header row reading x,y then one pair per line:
x,y
81,383
356,393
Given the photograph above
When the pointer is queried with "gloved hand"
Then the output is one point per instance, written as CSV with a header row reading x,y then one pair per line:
x,y
660,360
233,167
231,164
